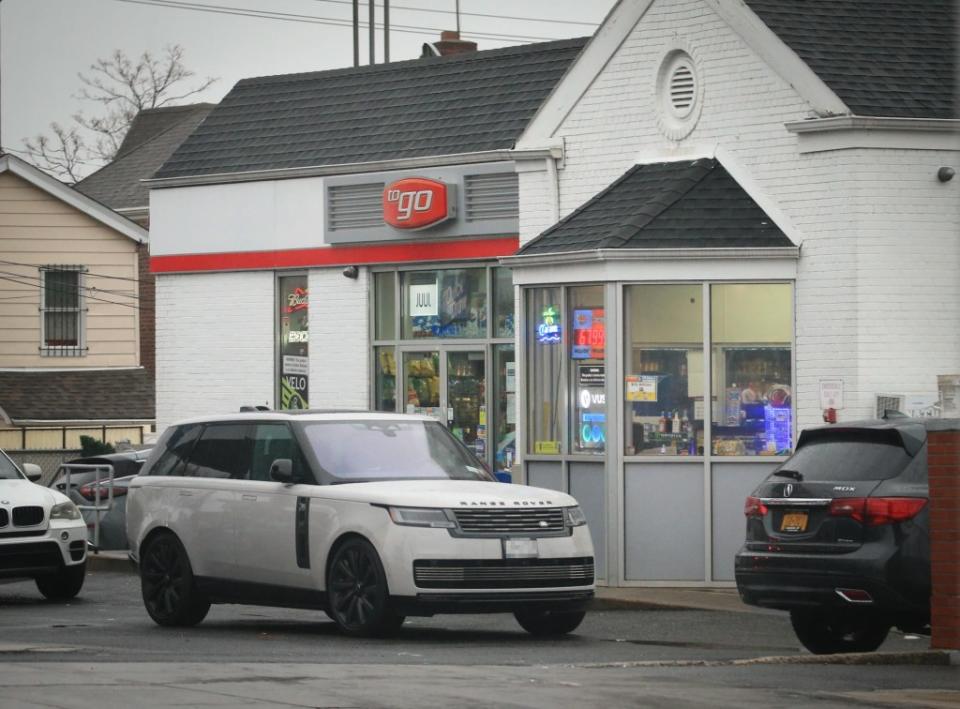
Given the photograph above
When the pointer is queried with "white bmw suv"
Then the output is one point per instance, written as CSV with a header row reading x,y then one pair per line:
x,y
42,535
370,517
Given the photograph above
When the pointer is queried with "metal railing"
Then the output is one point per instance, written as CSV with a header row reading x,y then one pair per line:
x,y
98,508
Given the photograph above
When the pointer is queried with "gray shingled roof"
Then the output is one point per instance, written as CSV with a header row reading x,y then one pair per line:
x,y
152,138
881,57
102,394
690,204
430,106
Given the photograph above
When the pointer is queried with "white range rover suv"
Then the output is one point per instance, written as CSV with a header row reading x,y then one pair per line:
x,y
370,517
42,535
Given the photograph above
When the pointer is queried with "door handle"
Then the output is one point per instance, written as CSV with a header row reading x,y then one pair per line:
x,y
186,493
249,497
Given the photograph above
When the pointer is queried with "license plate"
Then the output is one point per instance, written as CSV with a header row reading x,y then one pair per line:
x,y
520,549
794,522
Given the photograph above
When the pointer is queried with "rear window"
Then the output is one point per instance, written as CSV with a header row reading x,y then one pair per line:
x,y
848,457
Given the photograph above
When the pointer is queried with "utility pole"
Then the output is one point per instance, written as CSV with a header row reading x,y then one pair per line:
x,y
386,31
356,32
373,17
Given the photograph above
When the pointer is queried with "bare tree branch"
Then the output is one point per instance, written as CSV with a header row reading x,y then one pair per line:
x,y
122,87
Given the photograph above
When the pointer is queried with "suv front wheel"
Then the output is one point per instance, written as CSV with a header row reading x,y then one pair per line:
x,y
167,585
825,632
357,591
63,585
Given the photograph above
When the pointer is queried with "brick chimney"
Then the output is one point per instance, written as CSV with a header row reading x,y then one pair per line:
x,y
450,43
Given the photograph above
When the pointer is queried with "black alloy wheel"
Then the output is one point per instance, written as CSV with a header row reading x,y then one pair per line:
x,y
548,623
167,585
63,585
827,632
357,591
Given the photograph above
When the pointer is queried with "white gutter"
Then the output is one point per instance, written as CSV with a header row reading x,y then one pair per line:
x,y
671,254
348,168
839,123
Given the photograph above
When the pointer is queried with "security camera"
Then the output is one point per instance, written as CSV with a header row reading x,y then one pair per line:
x,y
351,272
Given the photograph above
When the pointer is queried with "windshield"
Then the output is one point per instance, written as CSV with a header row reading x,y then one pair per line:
x,y
8,471
390,450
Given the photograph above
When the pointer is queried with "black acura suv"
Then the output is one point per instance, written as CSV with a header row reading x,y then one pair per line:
x,y
839,536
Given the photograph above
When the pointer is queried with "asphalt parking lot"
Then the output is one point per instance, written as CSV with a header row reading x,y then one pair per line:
x,y
93,651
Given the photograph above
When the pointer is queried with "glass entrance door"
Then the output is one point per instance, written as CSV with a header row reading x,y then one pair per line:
x,y
421,383
466,399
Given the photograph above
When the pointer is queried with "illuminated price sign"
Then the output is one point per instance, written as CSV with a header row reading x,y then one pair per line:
x,y
589,334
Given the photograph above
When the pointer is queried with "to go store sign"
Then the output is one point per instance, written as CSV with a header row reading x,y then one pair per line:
x,y
417,203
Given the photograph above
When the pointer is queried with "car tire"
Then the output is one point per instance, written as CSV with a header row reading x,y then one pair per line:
x,y
546,622
63,585
357,593
167,585
826,633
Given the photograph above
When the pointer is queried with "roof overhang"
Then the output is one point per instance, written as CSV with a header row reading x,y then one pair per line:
x,y
611,255
848,132
77,200
82,422
427,161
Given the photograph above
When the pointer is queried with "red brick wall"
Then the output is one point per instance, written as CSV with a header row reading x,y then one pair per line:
x,y
944,462
148,338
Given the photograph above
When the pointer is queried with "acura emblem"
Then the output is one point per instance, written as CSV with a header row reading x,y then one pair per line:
x,y
788,489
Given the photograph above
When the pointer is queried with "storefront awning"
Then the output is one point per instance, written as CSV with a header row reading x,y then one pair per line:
x,y
690,205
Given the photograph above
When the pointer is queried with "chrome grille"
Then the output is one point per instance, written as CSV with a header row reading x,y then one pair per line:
x,y
528,520
27,516
498,573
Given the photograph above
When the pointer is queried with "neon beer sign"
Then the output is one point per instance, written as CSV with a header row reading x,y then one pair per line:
x,y
548,331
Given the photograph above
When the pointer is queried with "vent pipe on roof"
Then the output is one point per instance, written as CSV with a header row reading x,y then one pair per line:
x,y
450,43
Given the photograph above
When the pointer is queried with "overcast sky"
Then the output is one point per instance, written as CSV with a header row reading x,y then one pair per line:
x,y
45,43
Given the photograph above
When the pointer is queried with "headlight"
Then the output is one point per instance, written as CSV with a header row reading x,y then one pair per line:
x,y
574,516
65,510
421,517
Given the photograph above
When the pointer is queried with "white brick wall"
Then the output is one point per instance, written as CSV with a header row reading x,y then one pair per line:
x,y
339,340
878,291
215,336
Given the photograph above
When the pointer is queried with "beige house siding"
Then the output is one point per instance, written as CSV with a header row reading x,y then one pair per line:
x,y
36,229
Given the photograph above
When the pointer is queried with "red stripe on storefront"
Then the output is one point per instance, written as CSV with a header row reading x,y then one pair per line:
x,y
337,256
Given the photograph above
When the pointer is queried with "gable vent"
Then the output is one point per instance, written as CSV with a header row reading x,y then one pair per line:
x,y
495,196
682,89
355,206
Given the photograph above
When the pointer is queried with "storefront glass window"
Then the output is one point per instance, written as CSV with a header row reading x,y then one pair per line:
x,y
385,299
293,306
586,348
663,365
503,302
505,408
545,330
385,368
445,304
752,327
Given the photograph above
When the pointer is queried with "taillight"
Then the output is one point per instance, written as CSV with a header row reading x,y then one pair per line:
x,y
89,492
875,511
753,507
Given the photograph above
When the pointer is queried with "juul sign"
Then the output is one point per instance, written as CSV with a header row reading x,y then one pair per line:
x,y
417,202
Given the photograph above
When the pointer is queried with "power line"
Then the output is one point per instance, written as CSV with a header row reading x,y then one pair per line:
x,y
313,19
87,296
89,273
39,281
471,14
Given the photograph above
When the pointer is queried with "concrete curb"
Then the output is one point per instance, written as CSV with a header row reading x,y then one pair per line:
x,y
939,658
113,561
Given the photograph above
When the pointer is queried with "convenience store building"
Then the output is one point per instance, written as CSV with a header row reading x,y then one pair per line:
x,y
720,234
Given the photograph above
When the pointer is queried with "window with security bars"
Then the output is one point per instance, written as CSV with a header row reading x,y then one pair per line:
x,y
62,311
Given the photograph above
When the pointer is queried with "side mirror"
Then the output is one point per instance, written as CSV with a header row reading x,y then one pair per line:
x,y
33,471
281,470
